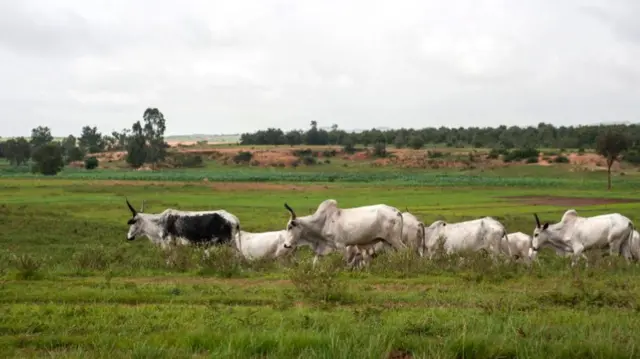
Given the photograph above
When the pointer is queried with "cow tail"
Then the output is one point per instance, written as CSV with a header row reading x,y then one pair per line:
x,y
238,238
506,238
625,246
401,226
421,244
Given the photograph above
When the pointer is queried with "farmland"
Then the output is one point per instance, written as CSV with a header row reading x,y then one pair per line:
x,y
72,286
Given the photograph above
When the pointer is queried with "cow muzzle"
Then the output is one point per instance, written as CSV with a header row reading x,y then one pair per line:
x,y
131,238
288,246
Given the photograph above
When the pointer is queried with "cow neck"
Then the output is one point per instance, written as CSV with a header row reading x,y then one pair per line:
x,y
557,232
312,223
151,224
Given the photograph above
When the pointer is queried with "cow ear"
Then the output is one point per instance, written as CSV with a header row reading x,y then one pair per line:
x,y
545,226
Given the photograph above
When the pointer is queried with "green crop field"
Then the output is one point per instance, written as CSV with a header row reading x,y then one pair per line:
x,y
72,286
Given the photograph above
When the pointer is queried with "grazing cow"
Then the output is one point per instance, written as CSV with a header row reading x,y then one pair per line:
x,y
412,237
484,233
331,228
267,245
575,234
517,247
199,228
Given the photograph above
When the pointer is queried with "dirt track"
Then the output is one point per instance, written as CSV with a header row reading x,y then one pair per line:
x,y
567,201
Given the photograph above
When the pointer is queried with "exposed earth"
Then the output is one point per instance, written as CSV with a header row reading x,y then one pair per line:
x,y
567,201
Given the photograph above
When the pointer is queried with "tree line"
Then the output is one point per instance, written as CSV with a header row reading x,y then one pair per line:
x,y
144,143
542,136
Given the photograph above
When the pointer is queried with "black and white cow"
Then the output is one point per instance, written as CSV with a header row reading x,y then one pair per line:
x,y
196,228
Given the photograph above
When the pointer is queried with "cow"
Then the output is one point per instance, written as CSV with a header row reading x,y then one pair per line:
x,y
575,234
267,245
197,228
412,237
331,228
474,235
517,247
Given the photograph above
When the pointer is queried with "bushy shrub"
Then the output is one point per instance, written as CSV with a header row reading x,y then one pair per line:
x,y
435,154
243,157
380,149
561,159
91,163
520,154
187,160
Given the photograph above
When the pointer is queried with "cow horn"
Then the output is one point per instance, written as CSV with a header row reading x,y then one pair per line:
x,y
293,214
142,208
537,219
133,211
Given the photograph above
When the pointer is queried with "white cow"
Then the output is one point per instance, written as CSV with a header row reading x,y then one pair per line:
x,y
575,234
267,245
331,228
412,237
518,246
263,245
484,233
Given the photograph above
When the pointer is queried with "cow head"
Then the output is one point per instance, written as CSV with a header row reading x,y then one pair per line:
x,y
540,234
135,223
294,230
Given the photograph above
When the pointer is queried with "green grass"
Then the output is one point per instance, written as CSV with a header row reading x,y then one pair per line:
x,y
71,285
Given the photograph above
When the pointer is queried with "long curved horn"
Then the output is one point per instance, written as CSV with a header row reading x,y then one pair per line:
x,y
133,210
293,214
537,219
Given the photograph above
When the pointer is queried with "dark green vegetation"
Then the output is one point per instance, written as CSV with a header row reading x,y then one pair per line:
x,y
543,135
72,286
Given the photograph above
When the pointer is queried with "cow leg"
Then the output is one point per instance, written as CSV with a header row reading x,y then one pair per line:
x,y
577,254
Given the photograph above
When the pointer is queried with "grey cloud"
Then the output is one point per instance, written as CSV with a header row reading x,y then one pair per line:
x,y
221,66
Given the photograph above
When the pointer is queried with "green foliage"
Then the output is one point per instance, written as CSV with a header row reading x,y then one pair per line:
x,y
611,144
380,149
520,154
531,160
435,154
632,156
154,127
243,157
91,163
400,140
348,146
17,151
91,140
561,159
186,160
47,159
416,142
40,136
136,146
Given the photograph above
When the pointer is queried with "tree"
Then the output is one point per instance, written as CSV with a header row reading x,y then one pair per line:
x,y
91,163
91,140
136,146
17,151
293,138
611,144
154,127
40,136
400,141
47,159
70,151
416,142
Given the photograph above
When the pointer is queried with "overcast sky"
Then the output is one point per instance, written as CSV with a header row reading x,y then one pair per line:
x,y
236,66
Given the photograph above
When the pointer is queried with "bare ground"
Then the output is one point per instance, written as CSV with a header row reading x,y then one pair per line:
x,y
567,201
219,186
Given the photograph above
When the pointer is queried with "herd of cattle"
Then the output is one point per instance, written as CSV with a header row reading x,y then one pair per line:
x,y
362,232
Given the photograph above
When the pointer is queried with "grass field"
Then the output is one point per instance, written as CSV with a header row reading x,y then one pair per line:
x,y
72,286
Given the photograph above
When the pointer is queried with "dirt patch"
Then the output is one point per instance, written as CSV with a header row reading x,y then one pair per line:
x,y
218,186
567,201
236,282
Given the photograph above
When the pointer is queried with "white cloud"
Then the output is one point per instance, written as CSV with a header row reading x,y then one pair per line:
x,y
221,66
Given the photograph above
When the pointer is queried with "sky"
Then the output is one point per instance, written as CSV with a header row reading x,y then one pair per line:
x,y
220,67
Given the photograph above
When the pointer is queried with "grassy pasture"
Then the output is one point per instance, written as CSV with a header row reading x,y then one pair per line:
x,y
73,287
